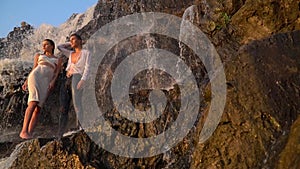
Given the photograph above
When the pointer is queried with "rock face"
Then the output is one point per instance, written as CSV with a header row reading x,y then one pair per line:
x,y
266,18
261,105
260,50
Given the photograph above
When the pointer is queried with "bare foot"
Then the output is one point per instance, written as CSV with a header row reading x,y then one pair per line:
x,y
25,135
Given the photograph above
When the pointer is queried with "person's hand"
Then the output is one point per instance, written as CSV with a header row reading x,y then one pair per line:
x,y
51,86
24,86
68,45
80,84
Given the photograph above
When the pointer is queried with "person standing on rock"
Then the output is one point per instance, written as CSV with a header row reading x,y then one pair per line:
x,y
77,71
41,80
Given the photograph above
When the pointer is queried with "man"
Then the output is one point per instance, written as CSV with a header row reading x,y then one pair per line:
x,y
77,71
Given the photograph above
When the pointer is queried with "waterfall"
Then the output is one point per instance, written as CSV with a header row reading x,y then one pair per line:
x,y
32,44
14,71
12,74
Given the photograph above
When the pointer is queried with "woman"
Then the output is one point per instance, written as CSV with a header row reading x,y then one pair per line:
x,y
77,70
40,81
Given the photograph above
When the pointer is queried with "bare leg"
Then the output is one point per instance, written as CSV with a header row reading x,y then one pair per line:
x,y
27,118
34,119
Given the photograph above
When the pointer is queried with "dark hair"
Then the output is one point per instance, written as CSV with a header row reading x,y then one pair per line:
x,y
52,43
76,35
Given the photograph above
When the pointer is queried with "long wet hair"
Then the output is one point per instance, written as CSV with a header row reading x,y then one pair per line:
x,y
51,43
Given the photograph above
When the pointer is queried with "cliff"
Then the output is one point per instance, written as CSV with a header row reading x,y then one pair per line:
x,y
259,45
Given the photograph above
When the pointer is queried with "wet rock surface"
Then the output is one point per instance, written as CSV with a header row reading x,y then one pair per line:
x,y
261,106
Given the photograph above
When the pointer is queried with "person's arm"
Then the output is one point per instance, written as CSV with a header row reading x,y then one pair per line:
x,y
65,49
86,70
56,72
35,63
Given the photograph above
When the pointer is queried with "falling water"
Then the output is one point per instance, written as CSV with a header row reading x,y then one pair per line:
x,y
196,15
14,71
150,44
32,44
204,8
